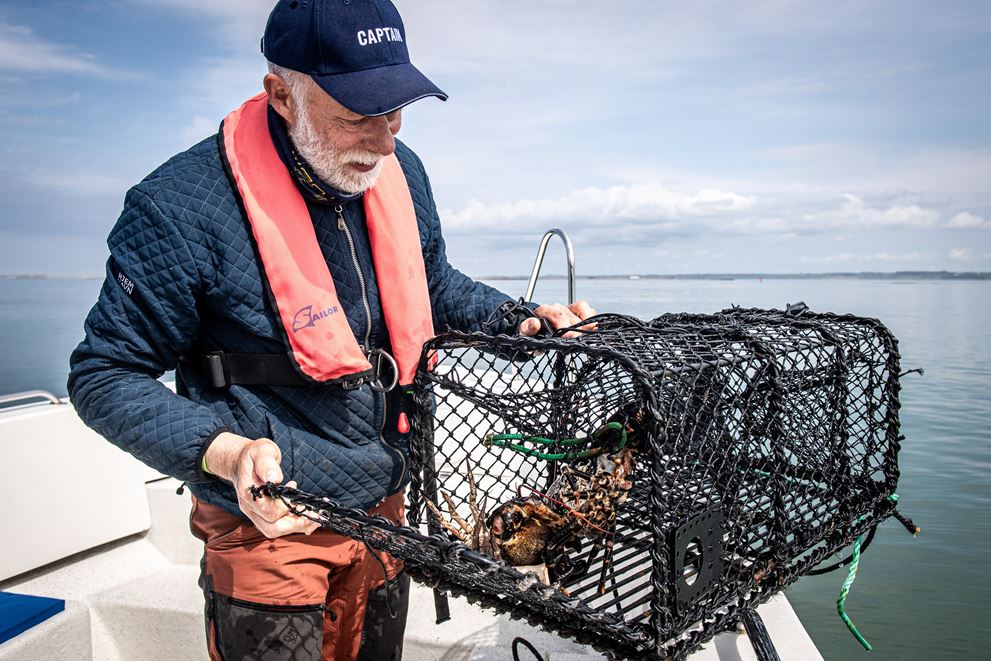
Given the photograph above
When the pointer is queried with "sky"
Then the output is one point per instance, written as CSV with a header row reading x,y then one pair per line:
x,y
774,136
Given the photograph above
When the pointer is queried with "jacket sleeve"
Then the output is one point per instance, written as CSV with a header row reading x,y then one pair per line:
x,y
145,317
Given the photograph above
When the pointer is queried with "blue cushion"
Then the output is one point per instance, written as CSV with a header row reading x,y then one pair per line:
x,y
20,612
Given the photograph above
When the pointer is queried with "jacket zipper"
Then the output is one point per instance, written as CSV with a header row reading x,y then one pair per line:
x,y
343,226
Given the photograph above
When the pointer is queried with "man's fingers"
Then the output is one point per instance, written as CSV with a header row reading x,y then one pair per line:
x,y
268,510
266,464
565,318
288,525
582,310
556,315
269,470
260,463
559,316
530,327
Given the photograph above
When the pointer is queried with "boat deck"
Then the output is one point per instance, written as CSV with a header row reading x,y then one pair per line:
x,y
111,537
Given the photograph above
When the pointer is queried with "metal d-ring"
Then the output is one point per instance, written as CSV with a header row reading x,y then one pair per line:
x,y
375,383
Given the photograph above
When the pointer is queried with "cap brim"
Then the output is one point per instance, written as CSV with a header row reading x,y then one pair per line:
x,y
380,90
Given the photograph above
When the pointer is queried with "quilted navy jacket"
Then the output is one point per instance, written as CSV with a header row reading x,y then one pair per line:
x,y
183,278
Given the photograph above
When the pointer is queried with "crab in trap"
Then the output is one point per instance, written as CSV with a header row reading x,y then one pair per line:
x,y
547,527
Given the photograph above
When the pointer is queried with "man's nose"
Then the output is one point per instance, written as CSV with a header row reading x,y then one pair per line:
x,y
382,140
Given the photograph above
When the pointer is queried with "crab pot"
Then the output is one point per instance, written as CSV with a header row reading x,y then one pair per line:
x,y
755,444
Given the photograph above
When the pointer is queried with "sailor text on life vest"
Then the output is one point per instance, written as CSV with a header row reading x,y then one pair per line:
x,y
307,318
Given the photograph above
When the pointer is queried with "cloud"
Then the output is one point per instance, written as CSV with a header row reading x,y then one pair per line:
x,y
22,51
961,255
571,35
83,184
651,212
854,213
968,221
740,133
600,206
551,36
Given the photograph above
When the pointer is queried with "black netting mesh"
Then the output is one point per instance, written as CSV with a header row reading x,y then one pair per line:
x,y
667,473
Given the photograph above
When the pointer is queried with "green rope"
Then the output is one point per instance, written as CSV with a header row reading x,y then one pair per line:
x,y
507,441
848,583
845,590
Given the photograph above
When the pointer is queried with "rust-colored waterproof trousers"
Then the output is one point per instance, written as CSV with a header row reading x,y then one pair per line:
x,y
298,597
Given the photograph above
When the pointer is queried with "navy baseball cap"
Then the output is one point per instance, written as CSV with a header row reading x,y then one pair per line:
x,y
354,49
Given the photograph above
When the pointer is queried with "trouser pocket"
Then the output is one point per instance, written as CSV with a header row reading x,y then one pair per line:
x,y
385,621
246,630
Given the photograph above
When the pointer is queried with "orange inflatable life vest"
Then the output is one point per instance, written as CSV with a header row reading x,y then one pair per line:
x,y
298,280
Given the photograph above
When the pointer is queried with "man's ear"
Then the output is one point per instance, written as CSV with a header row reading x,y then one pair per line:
x,y
280,97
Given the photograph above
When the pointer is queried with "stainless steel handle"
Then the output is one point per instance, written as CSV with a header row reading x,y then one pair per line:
x,y
28,395
569,249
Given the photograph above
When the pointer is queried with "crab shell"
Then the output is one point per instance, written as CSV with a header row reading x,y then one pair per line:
x,y
522,528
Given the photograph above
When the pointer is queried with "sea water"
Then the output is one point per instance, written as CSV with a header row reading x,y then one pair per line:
x,y
914,599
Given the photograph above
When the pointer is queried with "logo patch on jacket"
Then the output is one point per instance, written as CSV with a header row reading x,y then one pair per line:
x,y
306,317
125,283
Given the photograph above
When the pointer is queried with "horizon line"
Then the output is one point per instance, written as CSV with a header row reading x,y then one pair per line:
x,y
620,276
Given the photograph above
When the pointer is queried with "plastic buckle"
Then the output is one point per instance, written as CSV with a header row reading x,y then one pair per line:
x,y
216,370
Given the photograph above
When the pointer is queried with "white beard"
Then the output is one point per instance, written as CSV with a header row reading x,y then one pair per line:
x,y
329,162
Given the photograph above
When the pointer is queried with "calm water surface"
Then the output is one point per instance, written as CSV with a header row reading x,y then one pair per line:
x,y
928,598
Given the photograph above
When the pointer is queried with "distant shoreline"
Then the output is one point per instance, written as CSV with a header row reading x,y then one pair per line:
x,y
863,275
43,276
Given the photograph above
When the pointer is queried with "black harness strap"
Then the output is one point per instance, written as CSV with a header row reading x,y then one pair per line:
x,y
221,369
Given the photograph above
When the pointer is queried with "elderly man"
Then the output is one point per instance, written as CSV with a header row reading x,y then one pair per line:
x,y
291,267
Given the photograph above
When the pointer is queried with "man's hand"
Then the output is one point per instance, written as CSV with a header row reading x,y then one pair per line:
x,y
251,463
558,316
